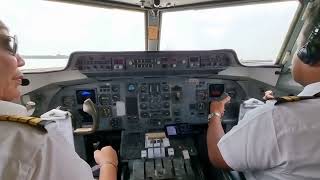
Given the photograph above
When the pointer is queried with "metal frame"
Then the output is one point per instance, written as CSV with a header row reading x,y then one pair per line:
x,y
219,3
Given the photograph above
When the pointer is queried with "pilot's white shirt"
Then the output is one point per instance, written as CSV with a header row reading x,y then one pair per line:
x,y
277,142
29,154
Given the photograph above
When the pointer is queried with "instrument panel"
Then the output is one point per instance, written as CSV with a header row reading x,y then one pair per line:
x,y
113,64
143,104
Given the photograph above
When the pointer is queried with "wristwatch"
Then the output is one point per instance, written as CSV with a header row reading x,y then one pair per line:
x,y
211,115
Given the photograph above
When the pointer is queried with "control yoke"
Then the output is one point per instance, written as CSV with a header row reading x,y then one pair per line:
x,y
89,107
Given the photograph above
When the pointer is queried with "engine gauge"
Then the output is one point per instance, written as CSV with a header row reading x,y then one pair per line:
x,y
104,99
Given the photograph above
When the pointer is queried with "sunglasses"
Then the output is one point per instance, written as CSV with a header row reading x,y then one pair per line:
x,y
9,43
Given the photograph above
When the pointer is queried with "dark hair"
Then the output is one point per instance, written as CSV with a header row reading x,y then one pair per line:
x,y
312,18
3,26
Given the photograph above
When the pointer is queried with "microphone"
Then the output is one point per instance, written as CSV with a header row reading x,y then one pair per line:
x,y
25,82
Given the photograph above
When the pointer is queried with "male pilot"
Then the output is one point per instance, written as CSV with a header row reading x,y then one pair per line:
x,y
282,140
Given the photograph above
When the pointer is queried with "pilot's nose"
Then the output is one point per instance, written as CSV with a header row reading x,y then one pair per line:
x,y
20,61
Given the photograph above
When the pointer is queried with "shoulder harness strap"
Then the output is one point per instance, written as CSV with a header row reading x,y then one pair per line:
x,y
285,99
32,121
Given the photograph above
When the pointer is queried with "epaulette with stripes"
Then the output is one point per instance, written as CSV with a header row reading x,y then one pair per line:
x,y
285,99
32,121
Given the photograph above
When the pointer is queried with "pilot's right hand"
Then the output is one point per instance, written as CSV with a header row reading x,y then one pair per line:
x,y
106,155
219,106
268,95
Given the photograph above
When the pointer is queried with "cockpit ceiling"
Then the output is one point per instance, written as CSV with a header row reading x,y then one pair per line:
x,y
161,4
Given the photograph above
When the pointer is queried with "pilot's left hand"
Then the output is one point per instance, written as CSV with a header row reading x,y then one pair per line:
x,y
218,106
107,155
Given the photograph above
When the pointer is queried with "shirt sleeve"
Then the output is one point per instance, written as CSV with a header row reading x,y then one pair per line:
x,y
252,144
57,160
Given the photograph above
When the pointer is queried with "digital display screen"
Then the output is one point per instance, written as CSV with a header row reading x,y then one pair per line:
x,y
216,90
83,95
171,130
132,106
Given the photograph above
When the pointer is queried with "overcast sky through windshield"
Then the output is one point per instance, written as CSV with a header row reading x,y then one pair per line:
x,y
255,32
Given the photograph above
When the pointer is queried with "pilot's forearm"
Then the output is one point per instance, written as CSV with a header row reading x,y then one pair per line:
x,y
214,134
108,172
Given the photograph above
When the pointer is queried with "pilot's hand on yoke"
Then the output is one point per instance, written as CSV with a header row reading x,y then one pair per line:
x,y
106,156
219,106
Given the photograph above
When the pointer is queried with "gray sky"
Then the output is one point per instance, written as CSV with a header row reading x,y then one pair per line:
x,y
256,32
51,28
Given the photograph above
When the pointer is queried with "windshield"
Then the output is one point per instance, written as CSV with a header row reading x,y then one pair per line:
x,y
49,31
256,32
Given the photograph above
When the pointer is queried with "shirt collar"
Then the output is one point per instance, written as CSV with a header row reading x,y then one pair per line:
x,y
9,108
311,89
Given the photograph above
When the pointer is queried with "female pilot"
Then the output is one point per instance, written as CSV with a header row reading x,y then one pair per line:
x,y
27,153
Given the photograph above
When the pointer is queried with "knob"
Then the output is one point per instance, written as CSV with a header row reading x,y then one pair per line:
x,y
143,89
143,98
165,88
115,97
166,113
144,114
115,89
177,96
166,97
177,113
143,106
166,105
202,96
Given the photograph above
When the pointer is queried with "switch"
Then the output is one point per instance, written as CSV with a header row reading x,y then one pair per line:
x,y
170,151
157,88
185,154
156,143
177,96
162,152
150,153
166,142
157,152
143,154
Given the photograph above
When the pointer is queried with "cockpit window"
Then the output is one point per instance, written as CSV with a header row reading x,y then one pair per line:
x,y
256,31
49,31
